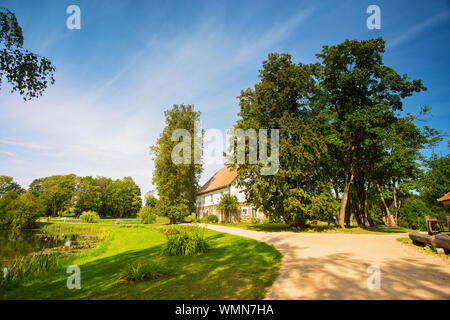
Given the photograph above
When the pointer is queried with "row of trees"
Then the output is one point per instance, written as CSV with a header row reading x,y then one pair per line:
x,y
344,140
347,148
57,194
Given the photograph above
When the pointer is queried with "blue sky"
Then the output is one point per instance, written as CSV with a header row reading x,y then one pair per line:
x,y
131,60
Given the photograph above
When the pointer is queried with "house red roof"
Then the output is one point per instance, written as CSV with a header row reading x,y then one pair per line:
x,y
445,198
221,179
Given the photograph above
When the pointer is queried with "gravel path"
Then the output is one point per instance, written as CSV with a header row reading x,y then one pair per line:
x,y
334,266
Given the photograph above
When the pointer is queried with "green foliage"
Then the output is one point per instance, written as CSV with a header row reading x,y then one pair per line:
x,y
116,198
143,271
27,72
150,200
212,218
412,214
27,267
8,184
436,183
177,183
147,215
228,205
69,212
54,193
255,220
191,218
18,212
282,101
185,241
89,217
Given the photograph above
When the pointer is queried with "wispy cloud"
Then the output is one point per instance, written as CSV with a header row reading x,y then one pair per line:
x,y
23,144
414,31
7,153
107,129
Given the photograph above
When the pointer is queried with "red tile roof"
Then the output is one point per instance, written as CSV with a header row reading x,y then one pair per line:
x,y
221,179
445,198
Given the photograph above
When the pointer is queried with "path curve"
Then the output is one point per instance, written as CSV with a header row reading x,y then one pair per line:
x,y
334,266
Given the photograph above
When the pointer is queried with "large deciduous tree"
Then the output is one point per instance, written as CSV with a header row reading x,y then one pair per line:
x,y
282,101
436,183
177,183
27,72
361,96
8,184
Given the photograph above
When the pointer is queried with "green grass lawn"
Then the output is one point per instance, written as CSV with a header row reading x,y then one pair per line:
x,y
320,227
159,220
234,268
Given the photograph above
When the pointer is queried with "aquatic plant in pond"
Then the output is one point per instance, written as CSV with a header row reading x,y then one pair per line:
x,y
185,241
30,266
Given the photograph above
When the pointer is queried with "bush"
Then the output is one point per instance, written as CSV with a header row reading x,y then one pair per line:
x,y
190,219
212,218
89,217
147,215
412,214
18,212
143,271
255,220
185,241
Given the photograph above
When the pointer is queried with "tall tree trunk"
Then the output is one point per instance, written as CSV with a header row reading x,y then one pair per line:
x,y
389,218
397,201
347,183
299,223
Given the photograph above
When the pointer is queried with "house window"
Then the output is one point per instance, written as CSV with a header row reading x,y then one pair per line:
x,y
244,212
254,213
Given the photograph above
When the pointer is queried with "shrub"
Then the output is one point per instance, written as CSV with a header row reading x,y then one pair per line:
x,y
143,271
147,215
212,218
185,241
191,218
89,217
255,220
18,212
412,214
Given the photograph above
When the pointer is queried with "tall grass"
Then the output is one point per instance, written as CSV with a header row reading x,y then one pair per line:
x,y
30,266
185,241
142,271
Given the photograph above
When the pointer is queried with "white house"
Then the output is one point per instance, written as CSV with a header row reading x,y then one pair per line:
x,y
209,196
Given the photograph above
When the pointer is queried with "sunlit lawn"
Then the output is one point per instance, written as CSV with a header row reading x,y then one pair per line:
x,y
234,268
320,227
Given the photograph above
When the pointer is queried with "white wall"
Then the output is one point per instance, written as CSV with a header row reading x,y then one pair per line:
x,y
211,198
235,191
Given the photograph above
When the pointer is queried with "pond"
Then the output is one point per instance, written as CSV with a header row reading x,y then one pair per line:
x,y
18,243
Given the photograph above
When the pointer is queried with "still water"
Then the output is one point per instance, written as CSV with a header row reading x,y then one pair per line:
x,y
18,243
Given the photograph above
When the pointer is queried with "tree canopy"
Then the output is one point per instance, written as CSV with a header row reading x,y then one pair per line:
x,y
177,183
27,72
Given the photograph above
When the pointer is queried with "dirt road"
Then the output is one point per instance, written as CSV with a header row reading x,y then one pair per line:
x,y
335,266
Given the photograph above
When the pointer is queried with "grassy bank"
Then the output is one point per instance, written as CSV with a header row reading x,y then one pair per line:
x,y
234,268
424,248
320,227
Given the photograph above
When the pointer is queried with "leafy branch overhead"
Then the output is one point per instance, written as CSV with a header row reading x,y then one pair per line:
x,y
27,72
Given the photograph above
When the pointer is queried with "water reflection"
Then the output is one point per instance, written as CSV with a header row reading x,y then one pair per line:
x,y
18,243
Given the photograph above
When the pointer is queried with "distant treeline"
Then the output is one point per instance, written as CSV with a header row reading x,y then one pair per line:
x,y
71,195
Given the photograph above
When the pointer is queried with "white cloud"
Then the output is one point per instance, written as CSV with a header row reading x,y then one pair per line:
x,y
107,129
